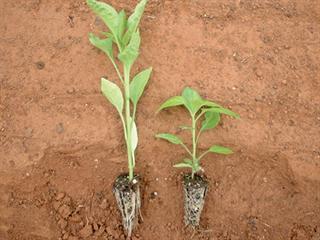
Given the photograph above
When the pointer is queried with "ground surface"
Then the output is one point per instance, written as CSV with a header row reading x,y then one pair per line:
x,y
61,144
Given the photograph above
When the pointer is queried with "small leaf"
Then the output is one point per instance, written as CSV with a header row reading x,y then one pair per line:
x,y
107,13
208,103
131,52
211,120
122,23
182,165
172,102
103,44
192,100
113,93
222,110
220,150
138,84
169,137
133,21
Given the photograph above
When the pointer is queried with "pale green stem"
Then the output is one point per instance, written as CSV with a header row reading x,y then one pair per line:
x,y
117,70
128,119
194,146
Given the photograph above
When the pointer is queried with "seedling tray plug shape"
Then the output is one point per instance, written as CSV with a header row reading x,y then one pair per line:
x,y
123,37
195,184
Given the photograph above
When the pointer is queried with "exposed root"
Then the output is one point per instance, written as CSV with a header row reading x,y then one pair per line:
x,y
127,195
194,196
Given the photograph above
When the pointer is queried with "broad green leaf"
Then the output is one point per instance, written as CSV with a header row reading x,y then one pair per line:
x,y
113,93
192,100
211,120
138,84
220,149
131,52
222,110
107,13
133,21
172,102
169,137
103,44
122,23
182,165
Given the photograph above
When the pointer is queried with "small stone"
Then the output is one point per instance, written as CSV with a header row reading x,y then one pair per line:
x,y
95,226
75,218
103,204
258,73
154,195
265,180
28,132
56,205
60,196
65,236
86,231
100,231
40,65
284,82
73,238
71,90
62,223
59,128
64,211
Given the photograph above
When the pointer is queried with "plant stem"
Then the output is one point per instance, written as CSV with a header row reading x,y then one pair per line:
x,y
194,146
128,119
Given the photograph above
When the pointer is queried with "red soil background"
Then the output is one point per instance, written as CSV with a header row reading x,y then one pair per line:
x,y
61,143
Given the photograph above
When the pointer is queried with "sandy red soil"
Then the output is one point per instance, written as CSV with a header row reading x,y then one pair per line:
x,y
61,145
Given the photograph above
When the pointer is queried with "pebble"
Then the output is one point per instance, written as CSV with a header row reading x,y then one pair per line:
x,y
86,231
103,204
64,211
28,132
258,73
59,128
62,223
40,65
60,196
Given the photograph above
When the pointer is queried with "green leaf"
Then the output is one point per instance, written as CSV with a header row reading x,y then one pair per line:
x,y
122,23
211,120
131,52
182,165
138,84
103,44
220,150
222,110
208,103
169,137
107,13
192,100
133,21
172,102
113,93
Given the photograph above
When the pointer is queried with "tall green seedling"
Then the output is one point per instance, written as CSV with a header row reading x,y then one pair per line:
x,y
202,110
121,44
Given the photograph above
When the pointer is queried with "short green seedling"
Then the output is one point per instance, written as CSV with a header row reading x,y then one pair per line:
x,y
195,186
124,34
199,109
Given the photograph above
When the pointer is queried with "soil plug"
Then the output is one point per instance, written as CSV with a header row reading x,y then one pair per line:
x,y
124,36
195,184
